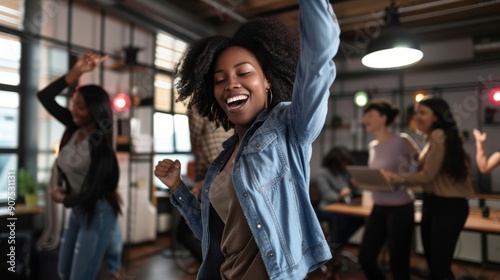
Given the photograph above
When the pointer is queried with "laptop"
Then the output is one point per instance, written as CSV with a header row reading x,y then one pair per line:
x,y
369,178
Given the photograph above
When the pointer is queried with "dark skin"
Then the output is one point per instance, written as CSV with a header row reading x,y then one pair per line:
x,y
237,76
81,117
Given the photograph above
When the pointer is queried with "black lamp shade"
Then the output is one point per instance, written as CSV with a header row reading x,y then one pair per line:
x,y
395,47
392,37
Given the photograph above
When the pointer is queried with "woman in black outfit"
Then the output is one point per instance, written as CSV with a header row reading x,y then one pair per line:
x,y
88,170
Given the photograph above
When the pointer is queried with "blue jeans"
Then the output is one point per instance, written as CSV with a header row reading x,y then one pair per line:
x,y
114,251
82,246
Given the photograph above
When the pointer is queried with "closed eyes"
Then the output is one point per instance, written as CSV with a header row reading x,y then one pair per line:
x,y
220,80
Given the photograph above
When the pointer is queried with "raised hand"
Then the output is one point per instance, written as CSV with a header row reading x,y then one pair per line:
x,y
480,137
169,173
88,62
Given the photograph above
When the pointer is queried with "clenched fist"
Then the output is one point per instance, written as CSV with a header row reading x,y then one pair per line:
x,y
169,173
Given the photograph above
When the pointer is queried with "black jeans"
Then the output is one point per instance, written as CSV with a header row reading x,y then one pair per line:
x,y
443,219
394,225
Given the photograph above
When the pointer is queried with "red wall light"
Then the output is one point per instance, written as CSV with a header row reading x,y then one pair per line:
x,y
121,102
495,96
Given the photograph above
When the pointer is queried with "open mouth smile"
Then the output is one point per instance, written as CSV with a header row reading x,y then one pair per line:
x,y
235,103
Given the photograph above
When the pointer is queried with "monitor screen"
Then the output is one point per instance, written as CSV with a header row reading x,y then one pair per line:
x,y
360,157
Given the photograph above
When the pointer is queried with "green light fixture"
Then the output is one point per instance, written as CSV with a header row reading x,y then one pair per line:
x,y
361,98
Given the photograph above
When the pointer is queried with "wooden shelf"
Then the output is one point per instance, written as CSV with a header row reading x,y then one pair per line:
x,y
20,210
122,140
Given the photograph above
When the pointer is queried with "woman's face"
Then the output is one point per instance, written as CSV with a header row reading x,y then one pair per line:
x,y
79,111
373,120
424,118
240,86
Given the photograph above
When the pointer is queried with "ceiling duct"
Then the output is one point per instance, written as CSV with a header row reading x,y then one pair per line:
x,y
103,2
157,15
487,47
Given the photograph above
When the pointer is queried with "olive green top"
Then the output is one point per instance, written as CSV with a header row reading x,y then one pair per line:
x,y
243,259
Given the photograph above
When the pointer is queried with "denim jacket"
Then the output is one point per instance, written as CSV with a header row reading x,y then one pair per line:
x,y
271,168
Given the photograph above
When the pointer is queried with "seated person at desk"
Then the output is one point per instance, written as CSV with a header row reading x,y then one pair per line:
x,y
334,186
485,164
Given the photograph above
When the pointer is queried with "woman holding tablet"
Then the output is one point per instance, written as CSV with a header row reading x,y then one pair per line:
x,y
392,218
443,173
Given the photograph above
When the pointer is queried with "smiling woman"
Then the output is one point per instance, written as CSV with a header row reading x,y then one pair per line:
x,y
241,89
255,218
88,174
443,173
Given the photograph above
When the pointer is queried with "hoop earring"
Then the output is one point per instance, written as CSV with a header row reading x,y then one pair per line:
x,y
270,100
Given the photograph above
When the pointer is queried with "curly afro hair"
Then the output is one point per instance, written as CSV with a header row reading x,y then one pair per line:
x,y
275,46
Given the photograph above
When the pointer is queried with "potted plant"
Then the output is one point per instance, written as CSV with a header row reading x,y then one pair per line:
x,y
27,187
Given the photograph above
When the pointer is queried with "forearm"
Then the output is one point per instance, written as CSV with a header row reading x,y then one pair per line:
x,y
319,30
430,167
327,194
189,207
319,41
487,164
49,93
47,98
72,76
481,158
176,185
410,179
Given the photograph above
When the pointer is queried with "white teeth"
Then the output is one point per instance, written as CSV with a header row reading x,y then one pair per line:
x,y
236,98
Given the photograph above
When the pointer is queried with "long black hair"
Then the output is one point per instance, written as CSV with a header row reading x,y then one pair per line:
x,y
455,161
101,181
275,46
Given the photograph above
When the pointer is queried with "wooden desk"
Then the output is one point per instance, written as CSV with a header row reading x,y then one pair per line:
x,y
475,222
488,196
21,210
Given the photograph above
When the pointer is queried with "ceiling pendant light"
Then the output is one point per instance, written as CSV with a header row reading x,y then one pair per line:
x,y
394,47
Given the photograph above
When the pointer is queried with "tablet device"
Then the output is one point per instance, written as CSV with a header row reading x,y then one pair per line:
x,y
369,178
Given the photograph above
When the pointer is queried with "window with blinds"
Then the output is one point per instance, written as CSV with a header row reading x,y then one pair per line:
x,y
12,13
10,59
168,51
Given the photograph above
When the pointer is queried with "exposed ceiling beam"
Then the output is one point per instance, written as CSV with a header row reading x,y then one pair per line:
x,y
174,17
163,16
223,9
